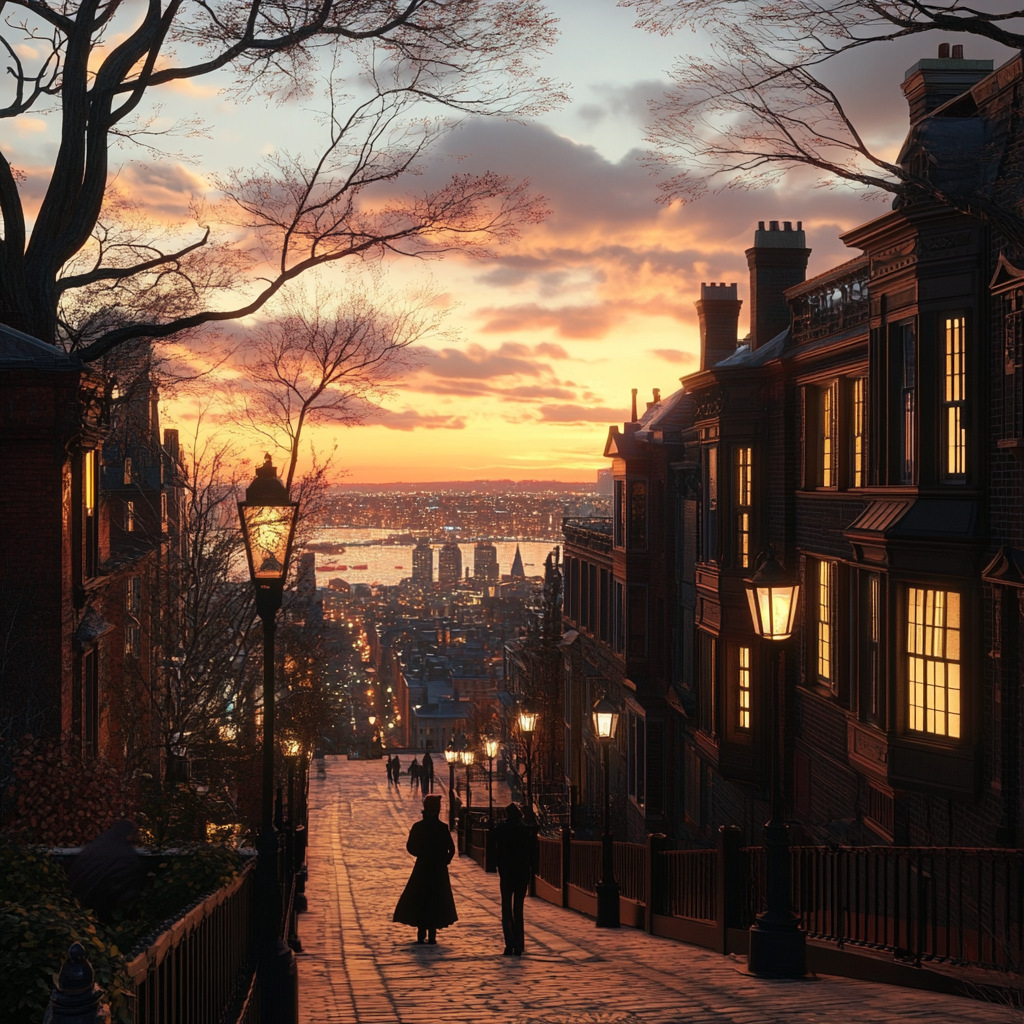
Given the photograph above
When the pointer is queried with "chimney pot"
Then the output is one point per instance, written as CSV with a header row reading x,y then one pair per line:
x,y
633,416
799,225
958,51
760,225
773,225
787,225
943,51
657,394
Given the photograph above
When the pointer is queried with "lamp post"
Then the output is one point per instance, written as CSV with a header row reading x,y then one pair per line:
x,y
451,755
490,749
268,526
605,716
468,757
777,943
527,719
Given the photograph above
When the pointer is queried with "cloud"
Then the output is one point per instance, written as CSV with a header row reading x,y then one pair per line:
x,y
410,419
475,362
573,414
673,355
569,321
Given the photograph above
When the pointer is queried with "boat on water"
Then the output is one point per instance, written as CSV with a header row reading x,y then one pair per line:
x,y
360,567
399,566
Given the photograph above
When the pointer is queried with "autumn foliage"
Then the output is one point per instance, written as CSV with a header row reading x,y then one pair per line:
x,y
59,799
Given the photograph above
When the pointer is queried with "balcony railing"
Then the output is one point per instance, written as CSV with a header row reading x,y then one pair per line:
x,y
831,303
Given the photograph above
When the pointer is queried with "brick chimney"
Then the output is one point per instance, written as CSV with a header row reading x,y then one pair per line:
x,y
930,83
777,261
719,313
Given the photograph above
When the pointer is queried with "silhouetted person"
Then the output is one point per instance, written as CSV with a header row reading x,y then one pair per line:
x,y
427,902
390,767
414,774
427,773
513,847
107,874
396,768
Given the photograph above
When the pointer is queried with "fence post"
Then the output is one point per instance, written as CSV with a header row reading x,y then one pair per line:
x,y
730,883
566,864
77,999
656,842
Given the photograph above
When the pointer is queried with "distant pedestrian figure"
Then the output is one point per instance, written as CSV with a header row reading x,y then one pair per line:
x,y
396,768
390,770
513,846
414,774
427,773
427,902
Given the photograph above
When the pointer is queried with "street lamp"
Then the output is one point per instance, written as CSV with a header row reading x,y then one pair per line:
x,y
490,749
268,526
451,755
527,719
777,943
605,716
468,757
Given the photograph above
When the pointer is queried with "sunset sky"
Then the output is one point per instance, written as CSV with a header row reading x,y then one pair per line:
x,y
544,342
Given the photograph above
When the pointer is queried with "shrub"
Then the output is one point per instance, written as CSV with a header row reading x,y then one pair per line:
x,y
58,799
39,919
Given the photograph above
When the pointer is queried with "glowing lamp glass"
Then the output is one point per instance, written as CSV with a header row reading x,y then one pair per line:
x,y
605,716
268,525
527,720
773,597
490,747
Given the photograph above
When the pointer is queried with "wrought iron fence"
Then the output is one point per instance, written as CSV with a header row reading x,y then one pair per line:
x,y
631,870
958,906
549,861
688,884
585,865
200,968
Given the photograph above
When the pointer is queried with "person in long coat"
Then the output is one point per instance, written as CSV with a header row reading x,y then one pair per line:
x,y
514,846
427,902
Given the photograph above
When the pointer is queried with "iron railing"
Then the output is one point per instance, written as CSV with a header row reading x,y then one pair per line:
x,y
549,861
585,866
688,884
958,906
199,969
631,870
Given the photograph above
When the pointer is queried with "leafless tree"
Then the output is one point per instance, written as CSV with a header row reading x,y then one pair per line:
x,y
760,104
96,67
328,360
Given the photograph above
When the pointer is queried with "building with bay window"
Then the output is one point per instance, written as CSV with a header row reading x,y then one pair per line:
x,y
869,428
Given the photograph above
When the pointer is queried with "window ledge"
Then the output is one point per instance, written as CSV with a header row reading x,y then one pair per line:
x,y
933,766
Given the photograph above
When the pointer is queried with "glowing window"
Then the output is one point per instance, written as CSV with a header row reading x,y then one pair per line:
x,y
744,688
129,516
828,438
955,397
89,482
933,661
859,431
825,621
744,492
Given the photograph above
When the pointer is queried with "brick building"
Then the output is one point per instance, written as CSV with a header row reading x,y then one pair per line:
x,y
870,430
90,503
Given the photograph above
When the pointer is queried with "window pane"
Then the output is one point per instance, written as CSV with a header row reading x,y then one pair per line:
x,y
637,514
828,466
825,621
933,665
744,687
954,395
744,491
859,430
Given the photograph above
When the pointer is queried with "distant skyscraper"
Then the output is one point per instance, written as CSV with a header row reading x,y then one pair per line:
x,y
605,484
449,565
423,563
517,565
485,562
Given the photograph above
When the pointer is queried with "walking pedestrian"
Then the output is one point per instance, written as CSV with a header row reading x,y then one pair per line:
x,y
427,773
390,770
414,774
513,847
396,768
427,902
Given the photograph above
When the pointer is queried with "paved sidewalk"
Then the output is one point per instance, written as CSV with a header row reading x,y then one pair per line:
x,y
360,968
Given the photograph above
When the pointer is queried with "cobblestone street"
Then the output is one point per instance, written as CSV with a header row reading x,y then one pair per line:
x,y
358,967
